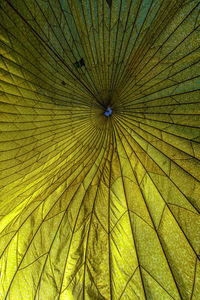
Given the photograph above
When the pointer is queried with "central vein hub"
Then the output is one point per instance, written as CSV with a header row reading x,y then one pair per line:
x,y
108,112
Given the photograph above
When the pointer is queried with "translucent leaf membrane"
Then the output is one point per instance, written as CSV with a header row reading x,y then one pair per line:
x,y
95,205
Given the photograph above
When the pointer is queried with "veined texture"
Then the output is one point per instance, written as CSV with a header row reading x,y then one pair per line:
x,y
96,206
